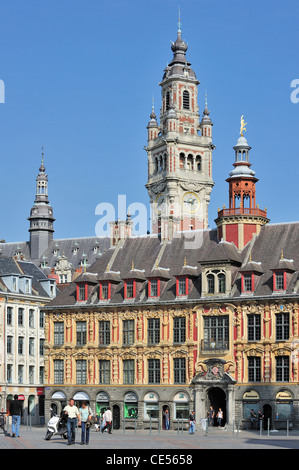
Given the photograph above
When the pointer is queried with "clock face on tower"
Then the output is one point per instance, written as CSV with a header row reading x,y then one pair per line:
x,y
191,203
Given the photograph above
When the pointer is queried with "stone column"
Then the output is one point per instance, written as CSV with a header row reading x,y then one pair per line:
x,y
200,403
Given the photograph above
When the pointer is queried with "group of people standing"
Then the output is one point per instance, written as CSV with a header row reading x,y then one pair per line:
x,y
84,416
256,420
212,414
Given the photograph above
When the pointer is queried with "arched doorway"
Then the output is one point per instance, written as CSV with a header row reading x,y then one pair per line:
x,y
217,399
267,412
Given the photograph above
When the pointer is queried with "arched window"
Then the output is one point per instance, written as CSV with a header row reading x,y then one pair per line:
x,y
198,163
221,283
186,99
190,162
182,161
211,283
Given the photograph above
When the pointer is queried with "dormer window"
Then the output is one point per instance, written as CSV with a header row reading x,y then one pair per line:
x,y
279,281
216,282
105,290
81,292
154,288
248,282
130,289
181,286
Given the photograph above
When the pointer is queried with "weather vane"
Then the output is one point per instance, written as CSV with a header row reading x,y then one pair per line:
x,y
243,128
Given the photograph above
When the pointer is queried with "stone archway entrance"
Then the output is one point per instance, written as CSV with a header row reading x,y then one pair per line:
x,y
214,387
217,399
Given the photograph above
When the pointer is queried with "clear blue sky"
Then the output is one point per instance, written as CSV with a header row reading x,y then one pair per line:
x,y
79,79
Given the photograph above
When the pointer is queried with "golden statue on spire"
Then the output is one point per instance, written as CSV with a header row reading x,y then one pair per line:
x,y
243,128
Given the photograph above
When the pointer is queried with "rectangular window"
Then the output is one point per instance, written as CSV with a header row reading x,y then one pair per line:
x,y
41,347
154,288
129,285
9,344
9,313
9,373
20,374
182,286
104,333
282,327
128,371
21,345
81,372
282,369
31,318
254,327
41,375
153,371
31,374
128,332
81,292
31,346
216,333
179,370
104,291
153,330
81,333
247,283
254,369
279,281
58,371
21,317
104,372
179,330
41,319
58,333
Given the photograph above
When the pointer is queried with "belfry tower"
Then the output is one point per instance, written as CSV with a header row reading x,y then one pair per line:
x,y
179,151
41,216
243,218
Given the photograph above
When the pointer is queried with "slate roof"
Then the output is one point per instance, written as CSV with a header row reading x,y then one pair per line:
x,y
150,256
75,250
9,266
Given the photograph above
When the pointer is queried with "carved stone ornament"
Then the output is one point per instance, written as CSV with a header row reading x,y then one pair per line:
x,y
212,370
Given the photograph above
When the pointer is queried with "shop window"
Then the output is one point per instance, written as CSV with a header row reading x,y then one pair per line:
x,y
181,406
130,405
151,406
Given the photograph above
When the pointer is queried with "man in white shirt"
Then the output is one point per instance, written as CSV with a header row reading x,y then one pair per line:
x,y
108,418
73,413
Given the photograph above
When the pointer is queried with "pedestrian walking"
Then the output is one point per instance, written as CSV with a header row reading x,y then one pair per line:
x,y
16,412
108,419
219,417
85,415
73,413
192,422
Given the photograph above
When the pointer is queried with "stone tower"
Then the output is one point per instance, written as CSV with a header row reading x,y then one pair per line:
x,y
41,216
179,151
